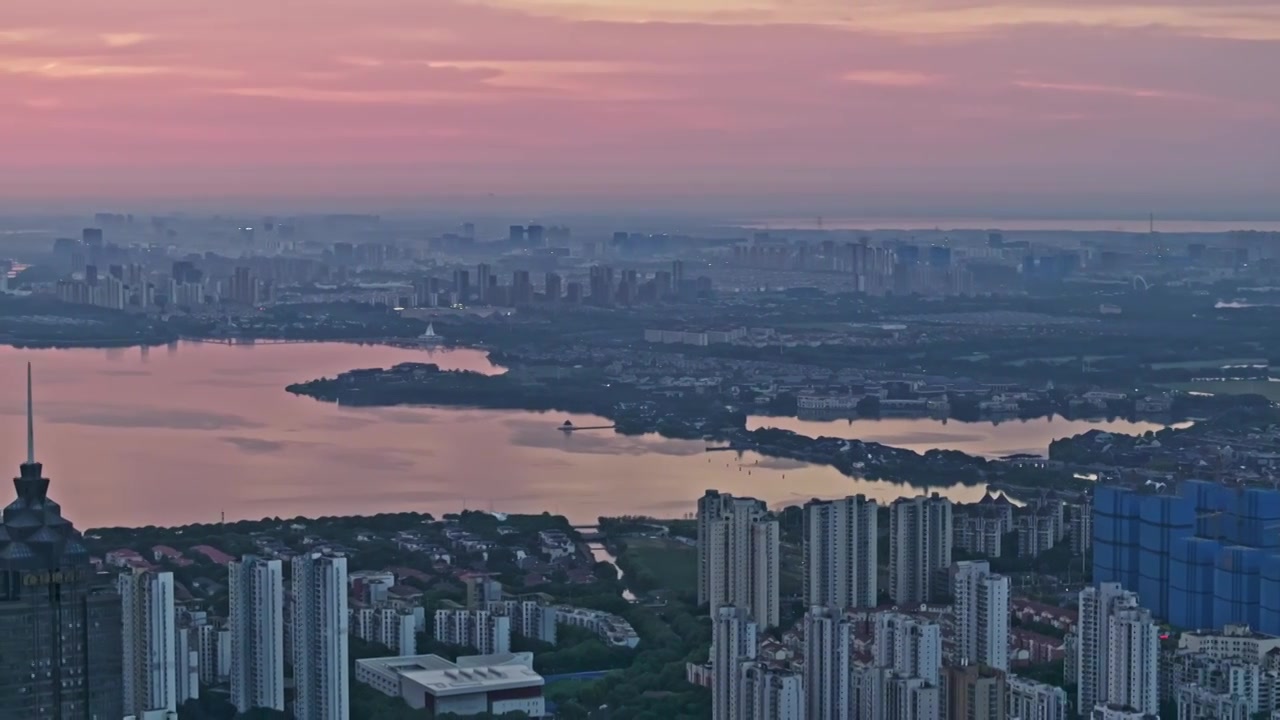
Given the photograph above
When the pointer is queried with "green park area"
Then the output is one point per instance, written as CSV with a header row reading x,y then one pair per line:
x,y
661,563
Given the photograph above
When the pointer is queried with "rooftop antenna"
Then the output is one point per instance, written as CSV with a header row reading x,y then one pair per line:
x,y
31,426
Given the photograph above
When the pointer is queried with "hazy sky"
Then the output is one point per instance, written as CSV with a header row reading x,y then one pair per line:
x,y
1021,105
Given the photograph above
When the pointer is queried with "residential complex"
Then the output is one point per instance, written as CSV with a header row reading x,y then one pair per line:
x,y
1031,700
974,692
1205,556
840,540
738,556
149,643
1117,651
486,632
981,615
826,665
920,537
319,620
734,642
256,625
396,629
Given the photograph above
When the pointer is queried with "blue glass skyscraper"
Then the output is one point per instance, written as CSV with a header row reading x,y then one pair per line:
x,y
1204,557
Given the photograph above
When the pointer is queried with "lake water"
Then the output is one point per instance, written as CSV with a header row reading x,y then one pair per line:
x,y
987,439
178,434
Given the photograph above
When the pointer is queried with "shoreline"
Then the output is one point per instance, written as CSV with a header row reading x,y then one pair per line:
x,y
681,419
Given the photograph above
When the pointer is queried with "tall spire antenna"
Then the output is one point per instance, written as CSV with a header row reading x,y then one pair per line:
x,y
31,425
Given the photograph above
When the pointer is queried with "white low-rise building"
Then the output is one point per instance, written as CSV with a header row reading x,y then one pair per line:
x,y
611,628
1234,641
1200,703
1031,700
493,684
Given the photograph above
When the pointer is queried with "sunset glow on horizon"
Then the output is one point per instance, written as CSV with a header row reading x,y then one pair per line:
x,y
1059,99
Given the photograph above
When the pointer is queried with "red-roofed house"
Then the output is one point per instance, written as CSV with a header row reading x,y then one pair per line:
x,y
1035,648
213,554
1031,611
164,552
124,557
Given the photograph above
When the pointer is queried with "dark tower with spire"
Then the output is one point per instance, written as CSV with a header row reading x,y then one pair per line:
x,y
60,642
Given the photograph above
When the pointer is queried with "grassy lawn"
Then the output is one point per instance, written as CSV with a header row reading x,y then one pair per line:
x,y
1269,390
675,563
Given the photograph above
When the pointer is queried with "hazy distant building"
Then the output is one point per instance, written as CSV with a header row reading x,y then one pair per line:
x,y
840,553
919,548
738,549
256,627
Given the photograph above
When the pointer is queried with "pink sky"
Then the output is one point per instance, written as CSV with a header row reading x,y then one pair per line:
x,y
1038,101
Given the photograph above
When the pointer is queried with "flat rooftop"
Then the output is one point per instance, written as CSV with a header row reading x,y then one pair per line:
x,y
471,673
464,681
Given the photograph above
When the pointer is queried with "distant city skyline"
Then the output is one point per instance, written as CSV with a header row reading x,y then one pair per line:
x,y
1026,106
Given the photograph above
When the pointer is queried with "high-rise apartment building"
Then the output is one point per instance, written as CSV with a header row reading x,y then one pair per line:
x,y
489,633
1132,670
826,665
738,556
903,680
320,627
214,643
840,553
1032,700
734,642
188,675
149,642
529,618
256,626
482,590
919,548
60,654
974,692
1118,647
396,629
769,693
909,646
981,615
1196,702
